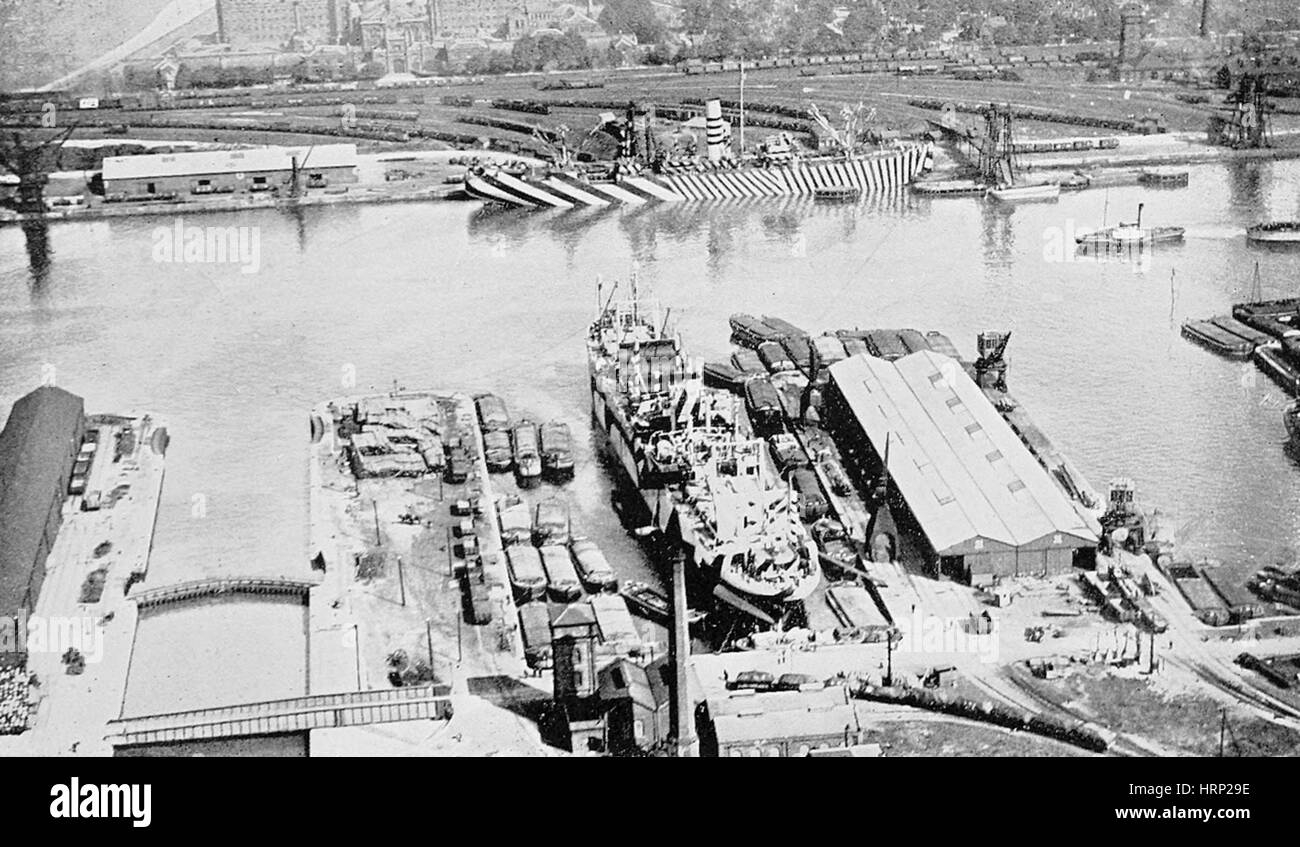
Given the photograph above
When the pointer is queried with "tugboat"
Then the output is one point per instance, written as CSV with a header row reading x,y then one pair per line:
x,y
706,482
1130,234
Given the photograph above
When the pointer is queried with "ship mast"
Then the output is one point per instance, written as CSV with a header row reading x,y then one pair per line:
x,y
742,110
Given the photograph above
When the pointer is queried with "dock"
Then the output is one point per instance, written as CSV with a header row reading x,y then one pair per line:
x,y
395,547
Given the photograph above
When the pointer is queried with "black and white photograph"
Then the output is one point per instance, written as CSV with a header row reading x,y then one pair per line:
x,y
650,379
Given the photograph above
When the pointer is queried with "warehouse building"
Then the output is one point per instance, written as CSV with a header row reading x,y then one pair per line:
x,y
37,449
258,169
781,724
964,490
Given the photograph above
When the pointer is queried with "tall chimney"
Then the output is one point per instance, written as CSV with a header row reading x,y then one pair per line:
x,y
715,130
680,654
1205,18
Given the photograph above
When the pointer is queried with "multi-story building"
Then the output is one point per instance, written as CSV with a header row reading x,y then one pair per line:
x,y
245,22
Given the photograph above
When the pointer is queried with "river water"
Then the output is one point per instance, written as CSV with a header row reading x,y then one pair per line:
x,y
452,295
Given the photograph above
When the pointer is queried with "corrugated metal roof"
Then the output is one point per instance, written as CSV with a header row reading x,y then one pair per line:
x,y
962,469
230,161
35,446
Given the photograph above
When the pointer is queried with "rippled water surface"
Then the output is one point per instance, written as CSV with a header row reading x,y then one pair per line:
x,y
449,295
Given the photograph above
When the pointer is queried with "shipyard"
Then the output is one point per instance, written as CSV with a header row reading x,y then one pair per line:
x,y
689,379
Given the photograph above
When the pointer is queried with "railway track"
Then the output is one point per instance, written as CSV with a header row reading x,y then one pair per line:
x,y
1012,691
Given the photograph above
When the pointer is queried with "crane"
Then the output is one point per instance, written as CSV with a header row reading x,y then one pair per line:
x,y
32,162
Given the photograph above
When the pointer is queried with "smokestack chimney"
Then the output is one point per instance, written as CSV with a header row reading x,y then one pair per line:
x,y
1205,18
715,130
680,644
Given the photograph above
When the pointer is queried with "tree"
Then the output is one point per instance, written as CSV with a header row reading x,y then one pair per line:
x,y
633,16
525,54
863,25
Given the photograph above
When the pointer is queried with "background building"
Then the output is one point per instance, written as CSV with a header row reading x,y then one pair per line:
x,y
245,22
37,449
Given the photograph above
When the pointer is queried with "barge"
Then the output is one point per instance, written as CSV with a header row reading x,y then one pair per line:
x,y
1279,233
1225,335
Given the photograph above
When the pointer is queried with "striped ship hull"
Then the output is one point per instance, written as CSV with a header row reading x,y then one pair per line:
x,y
878,173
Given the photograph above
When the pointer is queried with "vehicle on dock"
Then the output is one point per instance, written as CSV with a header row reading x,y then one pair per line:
x,y
497,451
654,604
562,581
527,576
528,455
787,452
593,567
1281,233
763,404
752,681
798,682
551,522
557,449
535,632
516,524
492,414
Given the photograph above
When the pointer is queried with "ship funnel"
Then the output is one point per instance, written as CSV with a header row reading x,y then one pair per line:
x,y
715,129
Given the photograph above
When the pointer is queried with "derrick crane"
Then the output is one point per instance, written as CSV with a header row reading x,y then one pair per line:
x,y
32,162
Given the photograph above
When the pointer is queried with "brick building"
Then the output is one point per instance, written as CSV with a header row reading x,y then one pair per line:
x,y
245,22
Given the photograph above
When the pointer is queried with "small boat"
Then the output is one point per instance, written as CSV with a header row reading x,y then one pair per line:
x,y
1275,232
950,187
1163,178
775,357
516,524
496,451
492,412
527,576
1291,417
836,193
749,331
1034,191
528,456
592,565
748,362
763,404
557,449
562,580
723,375
551,523
652,603
1076,182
